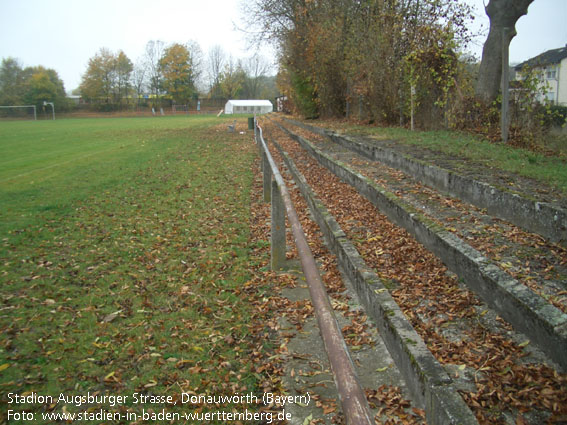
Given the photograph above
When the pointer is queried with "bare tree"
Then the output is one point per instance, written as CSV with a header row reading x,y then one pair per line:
x,y
256,67
232,78
270,20
503,16
197,62
216,63
153,54
139,80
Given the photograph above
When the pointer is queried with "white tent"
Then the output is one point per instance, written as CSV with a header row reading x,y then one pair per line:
x,y
248,107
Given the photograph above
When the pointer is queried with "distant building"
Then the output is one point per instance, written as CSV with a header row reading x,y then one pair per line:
x,y
76,99
248,107
282,104
551,69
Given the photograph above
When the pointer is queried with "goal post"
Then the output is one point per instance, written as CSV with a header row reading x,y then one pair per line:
x,y
179,108
18,107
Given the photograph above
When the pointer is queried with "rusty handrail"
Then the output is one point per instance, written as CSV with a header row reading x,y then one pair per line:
x,y
352,397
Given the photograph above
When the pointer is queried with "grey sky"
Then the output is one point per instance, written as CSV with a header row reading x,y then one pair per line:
x,y
64,34
543,28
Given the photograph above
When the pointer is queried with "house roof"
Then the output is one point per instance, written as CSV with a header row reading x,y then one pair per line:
x,y
546,58
250,102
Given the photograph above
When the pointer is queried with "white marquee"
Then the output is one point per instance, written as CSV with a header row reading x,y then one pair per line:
x,y
248,107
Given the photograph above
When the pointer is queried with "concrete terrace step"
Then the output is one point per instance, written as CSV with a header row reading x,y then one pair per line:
x,y
428,382
540,217
529,313
307,369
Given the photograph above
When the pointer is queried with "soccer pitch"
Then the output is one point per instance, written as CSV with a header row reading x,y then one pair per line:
x,y
31,152
51,164
124,247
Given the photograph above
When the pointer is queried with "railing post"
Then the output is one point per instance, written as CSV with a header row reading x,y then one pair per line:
x,y
278,228
267,177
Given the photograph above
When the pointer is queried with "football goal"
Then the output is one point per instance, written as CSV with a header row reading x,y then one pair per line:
x,y
180,108
21,111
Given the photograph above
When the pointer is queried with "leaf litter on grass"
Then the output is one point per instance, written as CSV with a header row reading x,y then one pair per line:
x,y
148,286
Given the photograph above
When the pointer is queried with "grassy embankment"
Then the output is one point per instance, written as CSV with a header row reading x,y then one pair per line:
x,y
544,168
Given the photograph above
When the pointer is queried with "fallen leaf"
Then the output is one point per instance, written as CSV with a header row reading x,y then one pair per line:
x,y
110,317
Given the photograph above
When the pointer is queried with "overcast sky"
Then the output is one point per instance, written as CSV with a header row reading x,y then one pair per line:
x,y
543,28
64,34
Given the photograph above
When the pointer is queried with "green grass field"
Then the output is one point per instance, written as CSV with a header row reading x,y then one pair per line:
x,y
124,248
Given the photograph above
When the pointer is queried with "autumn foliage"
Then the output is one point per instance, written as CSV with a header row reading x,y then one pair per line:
x,y
361,58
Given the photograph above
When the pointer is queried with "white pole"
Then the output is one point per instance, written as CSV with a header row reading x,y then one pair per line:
x,y
52,107
412,95
505,107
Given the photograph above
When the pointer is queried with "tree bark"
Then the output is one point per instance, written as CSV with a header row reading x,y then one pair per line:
x,y
502,14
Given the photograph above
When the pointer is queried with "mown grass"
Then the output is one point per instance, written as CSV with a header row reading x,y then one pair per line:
x,y
124,248
546,169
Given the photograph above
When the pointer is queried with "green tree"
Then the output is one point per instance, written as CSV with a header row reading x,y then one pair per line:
x,y
97,82
11,82
123,73
40,89
106,82
44,85
340,53
32,85
177,73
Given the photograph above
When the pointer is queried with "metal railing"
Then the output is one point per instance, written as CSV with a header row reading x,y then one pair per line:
x,y
352,397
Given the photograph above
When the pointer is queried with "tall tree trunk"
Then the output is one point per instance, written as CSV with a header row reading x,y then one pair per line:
x,y
502,14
